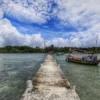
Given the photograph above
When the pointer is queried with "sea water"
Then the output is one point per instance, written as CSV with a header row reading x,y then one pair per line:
x,y
86,78
16,69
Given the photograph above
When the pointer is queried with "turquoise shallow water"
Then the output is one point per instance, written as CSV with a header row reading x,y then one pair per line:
x,y
16,69
86,78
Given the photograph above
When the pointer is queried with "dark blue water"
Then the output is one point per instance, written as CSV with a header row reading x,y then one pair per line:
x,y
16,69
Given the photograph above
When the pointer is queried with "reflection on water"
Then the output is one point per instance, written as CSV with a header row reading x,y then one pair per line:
x,y
16,69
86,78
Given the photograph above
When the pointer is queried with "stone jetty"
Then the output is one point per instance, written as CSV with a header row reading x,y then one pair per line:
x,y
49,83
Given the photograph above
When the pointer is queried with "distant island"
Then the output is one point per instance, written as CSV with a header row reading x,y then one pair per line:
x,y
27,49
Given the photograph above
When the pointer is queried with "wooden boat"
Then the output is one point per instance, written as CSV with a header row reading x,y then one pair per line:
x,y
88,60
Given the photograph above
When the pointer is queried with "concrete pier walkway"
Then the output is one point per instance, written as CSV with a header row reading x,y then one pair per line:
x,y
49,83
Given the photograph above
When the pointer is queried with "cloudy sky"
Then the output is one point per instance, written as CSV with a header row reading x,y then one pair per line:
x,y
59,22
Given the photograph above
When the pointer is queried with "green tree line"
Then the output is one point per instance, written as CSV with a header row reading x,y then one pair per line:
x,y
27,49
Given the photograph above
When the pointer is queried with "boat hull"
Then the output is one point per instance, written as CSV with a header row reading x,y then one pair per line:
x,y
82,62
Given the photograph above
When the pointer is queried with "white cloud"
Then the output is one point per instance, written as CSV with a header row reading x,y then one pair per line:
x,y
78,39
76,13
59,42
30,11
1,14
10,36
82,13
